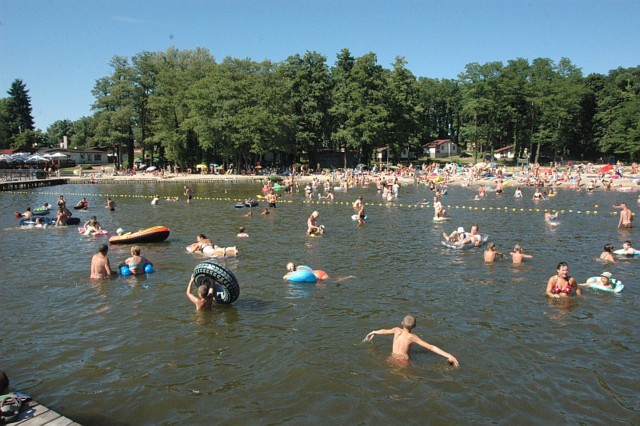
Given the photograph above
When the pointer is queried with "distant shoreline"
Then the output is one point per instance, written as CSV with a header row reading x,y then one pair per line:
x,y
630,181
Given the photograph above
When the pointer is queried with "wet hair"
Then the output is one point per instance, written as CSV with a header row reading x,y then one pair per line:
x,y
202,236
103,249
517,248
202,290
4,382
242,229
608,248
491,246
561,264
409,322
94,218
135,250
628,242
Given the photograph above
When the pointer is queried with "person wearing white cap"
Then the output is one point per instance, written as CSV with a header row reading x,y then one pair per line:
x,y
460,237
455,236
605,280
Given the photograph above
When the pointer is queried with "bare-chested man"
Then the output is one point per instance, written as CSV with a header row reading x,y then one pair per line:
x,y
626,216
100,266
403,339
271,198
312,224
205,297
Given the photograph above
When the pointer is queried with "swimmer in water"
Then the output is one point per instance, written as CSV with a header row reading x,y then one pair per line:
x,y
517,256
291,268
403,339
549,216
241,233
605,281
607,254
490,253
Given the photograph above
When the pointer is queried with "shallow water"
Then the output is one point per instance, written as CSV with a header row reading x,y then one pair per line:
x,y
133,351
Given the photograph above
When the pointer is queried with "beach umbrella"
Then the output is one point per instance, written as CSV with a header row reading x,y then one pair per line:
x,y
152,168
56,155
214,164
37,159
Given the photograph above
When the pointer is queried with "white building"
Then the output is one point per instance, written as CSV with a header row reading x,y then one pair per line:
x,y
440,148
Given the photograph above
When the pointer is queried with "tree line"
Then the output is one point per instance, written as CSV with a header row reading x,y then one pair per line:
x,y
183,106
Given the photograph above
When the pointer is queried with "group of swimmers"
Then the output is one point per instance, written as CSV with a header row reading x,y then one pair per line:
x,y
101,266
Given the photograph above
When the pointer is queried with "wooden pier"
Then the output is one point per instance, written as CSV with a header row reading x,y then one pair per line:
x,y
34,414
15,185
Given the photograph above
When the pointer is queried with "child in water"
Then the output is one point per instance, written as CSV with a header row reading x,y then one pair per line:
x,y
490,253
403,339
517,256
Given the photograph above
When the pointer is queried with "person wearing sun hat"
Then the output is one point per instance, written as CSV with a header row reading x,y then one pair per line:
x,y
606,279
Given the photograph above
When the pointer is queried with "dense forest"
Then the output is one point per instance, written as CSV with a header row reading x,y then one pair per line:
x,y
183,106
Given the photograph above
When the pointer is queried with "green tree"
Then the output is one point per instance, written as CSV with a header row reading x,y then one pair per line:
x,y
176,72
20,118
361,109
114,104
404,108
5,127
240,111
310,95
28,139
57,130
618,116
83,132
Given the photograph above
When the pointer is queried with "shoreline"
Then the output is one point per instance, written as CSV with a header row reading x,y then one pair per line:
x,y
629,182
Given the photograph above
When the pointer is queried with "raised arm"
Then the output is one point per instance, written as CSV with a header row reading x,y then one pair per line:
x,y
381,331
452,359
189,294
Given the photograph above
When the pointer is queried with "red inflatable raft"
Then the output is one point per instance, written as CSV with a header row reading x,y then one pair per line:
x,y
155,234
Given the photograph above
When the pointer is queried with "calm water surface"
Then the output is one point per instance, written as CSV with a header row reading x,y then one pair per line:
x,y
133,351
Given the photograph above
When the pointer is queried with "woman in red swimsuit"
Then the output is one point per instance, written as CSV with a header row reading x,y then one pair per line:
x,y
561,284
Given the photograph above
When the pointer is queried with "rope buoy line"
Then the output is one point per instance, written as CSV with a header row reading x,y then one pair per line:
x,y
339,203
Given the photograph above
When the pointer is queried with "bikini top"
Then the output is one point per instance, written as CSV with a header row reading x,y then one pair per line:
x,y
558,290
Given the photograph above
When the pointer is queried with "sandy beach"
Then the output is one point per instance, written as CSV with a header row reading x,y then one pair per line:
x,y
513,176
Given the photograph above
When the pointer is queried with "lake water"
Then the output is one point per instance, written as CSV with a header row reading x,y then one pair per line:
x,y
133,351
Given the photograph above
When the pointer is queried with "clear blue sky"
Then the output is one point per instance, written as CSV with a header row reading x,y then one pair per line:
x,y
59,48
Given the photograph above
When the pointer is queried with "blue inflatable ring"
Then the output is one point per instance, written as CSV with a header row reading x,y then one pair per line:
x,y
302,276
125,271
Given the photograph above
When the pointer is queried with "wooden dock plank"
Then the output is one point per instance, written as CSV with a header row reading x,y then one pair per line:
x,y
35,414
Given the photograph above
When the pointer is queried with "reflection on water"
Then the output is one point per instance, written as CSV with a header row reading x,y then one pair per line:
x,y
104,352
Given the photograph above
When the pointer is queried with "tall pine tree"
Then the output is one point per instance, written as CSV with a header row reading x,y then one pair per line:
x,y
19,106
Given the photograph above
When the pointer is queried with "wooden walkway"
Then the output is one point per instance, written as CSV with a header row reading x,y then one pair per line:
x,y
30,184
34,414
